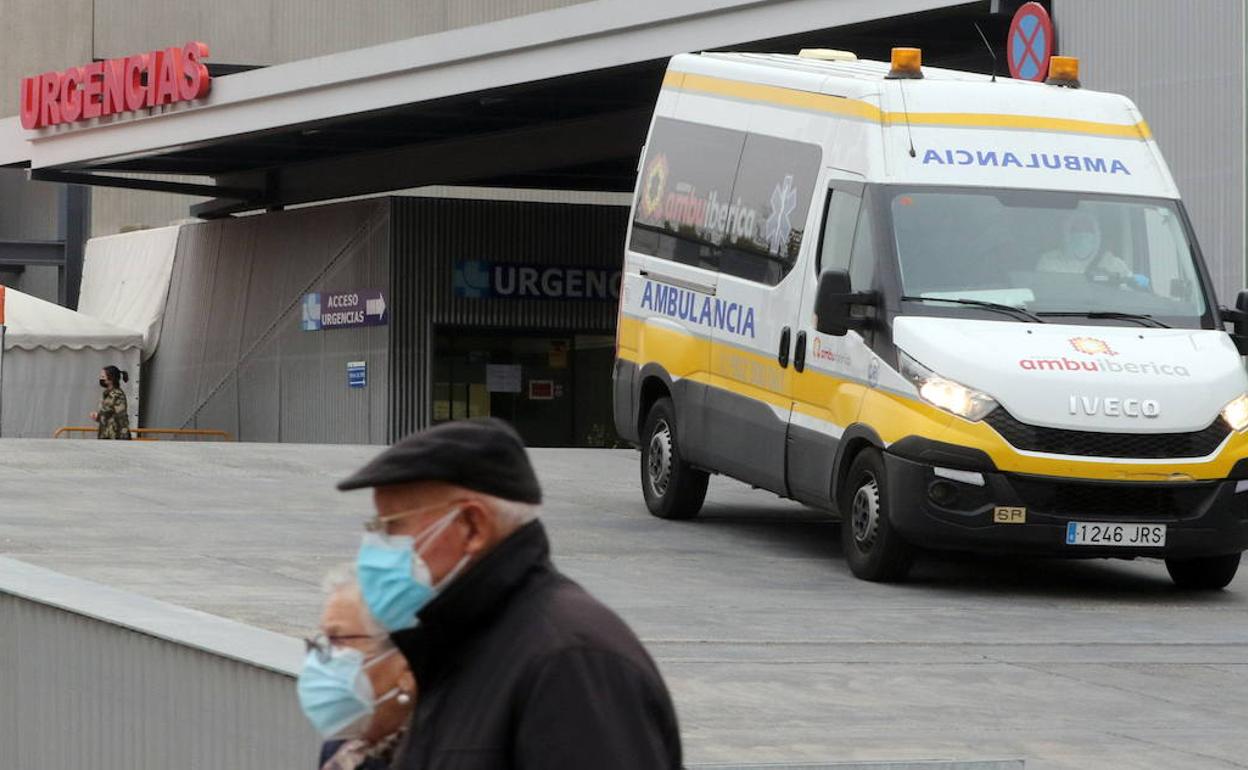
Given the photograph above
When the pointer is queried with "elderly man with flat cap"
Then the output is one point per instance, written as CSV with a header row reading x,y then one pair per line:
x,y
516,665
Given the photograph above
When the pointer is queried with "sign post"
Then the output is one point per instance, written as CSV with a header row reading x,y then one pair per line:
x,y
1030,43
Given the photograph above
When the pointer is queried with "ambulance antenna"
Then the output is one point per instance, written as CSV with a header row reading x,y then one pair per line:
x,y
901,84
991,52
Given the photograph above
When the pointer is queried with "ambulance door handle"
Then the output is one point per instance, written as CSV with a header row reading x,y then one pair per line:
x,y
783,358
799,355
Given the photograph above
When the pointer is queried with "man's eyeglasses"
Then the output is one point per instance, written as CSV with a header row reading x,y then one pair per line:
x,y
323,644
381,523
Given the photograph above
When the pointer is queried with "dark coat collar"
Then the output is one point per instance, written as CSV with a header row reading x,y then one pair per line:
x,y
472,601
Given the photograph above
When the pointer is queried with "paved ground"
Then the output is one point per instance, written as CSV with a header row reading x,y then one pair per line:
x,y
772,650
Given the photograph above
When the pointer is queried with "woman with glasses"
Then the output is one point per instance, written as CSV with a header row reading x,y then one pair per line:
x,y
355,688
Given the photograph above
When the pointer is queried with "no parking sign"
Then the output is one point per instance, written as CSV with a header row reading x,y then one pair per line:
x,y
1030,43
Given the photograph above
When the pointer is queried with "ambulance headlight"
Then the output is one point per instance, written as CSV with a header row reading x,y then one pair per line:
x,y
946,394
1236,413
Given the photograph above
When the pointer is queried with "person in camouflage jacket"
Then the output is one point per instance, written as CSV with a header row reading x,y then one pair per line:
x,y
113,416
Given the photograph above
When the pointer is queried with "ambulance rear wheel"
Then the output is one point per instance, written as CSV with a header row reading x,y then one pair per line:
x,y
872,547
1208,573
673,489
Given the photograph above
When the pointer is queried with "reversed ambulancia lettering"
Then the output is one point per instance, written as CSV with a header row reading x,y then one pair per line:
x,y
712,312
1027,160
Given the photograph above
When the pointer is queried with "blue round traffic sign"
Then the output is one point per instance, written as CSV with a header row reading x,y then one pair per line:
x,y
1030,43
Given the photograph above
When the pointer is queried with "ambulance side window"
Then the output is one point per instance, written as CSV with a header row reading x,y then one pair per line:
x,y
863,257
772,195
837,239
1169,260
683,209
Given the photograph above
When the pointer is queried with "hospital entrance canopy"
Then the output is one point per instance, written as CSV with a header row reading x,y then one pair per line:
x,y
556,100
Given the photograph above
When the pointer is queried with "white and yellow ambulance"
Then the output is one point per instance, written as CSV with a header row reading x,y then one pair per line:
x,y
964,313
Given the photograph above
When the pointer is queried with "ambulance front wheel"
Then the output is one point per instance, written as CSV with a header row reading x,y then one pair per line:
x,y
673,489
873,549
1208,573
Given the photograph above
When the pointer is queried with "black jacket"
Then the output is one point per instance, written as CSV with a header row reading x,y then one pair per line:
x,y
519,667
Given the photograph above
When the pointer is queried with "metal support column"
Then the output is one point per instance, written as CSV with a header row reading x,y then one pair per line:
x,y
73,226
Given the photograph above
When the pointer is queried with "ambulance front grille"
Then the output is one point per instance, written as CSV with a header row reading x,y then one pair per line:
x,y
1114,500
1093,444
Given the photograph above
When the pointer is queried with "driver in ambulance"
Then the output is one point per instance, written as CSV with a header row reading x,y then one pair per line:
x,y
1081,251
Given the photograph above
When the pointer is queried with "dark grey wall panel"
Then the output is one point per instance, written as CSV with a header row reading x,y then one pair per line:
x,y
430,236
232,354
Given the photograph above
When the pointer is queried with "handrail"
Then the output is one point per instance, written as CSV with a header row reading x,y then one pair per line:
x,y
141,434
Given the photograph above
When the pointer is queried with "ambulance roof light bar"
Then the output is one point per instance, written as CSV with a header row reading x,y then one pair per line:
x,y
1063,71
906,64
827,54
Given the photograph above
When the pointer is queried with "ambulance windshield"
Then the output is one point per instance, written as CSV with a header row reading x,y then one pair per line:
x,y
1058,254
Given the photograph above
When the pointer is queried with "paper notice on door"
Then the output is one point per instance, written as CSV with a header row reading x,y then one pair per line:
x,y
478,400
503,378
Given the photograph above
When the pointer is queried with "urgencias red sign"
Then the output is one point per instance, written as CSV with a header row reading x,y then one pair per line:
x,y
116,85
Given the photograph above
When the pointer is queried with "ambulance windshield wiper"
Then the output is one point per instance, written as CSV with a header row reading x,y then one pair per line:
x,y
1140,318
1017,312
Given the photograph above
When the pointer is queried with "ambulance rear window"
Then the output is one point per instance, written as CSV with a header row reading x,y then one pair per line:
x,y
724,200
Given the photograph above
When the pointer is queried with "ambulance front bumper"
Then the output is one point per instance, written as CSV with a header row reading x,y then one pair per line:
x,y
932,507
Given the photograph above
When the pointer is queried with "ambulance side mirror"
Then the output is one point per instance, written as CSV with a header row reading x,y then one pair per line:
x,y
837,308
1238,318
1241,304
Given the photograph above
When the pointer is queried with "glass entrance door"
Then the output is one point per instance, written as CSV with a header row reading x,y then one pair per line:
x,y
555,388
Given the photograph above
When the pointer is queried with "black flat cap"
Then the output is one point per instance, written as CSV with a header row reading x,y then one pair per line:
x,y
485,455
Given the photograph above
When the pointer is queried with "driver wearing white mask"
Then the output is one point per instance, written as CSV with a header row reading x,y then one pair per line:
x,y
1081,251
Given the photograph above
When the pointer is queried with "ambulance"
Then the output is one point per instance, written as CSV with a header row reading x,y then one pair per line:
x,y
961,312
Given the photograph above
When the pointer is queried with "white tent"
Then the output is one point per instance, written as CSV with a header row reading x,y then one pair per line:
x,y
125,278
50,364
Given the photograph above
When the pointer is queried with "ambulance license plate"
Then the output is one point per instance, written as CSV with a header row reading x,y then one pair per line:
x,y
1126,535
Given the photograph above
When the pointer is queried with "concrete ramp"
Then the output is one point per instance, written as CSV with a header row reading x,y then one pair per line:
x,y
212,555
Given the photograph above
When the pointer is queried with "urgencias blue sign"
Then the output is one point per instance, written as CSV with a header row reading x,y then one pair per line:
x,y
480,279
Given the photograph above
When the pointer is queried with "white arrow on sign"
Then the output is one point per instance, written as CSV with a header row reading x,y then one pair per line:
x,y
375,307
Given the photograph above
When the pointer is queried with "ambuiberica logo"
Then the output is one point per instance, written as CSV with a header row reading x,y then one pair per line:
x,y
1092,346
817,350
655,187
682,206
1096,356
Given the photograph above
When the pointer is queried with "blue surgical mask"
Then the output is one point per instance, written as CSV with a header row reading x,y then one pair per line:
x,y
335,693
1083,246
394,579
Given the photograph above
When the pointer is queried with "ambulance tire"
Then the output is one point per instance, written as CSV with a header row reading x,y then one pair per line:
x,y
1208,573
873,549
673,489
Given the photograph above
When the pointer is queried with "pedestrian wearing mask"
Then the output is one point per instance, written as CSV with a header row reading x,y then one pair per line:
x,y
519,667
355,688
113,416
